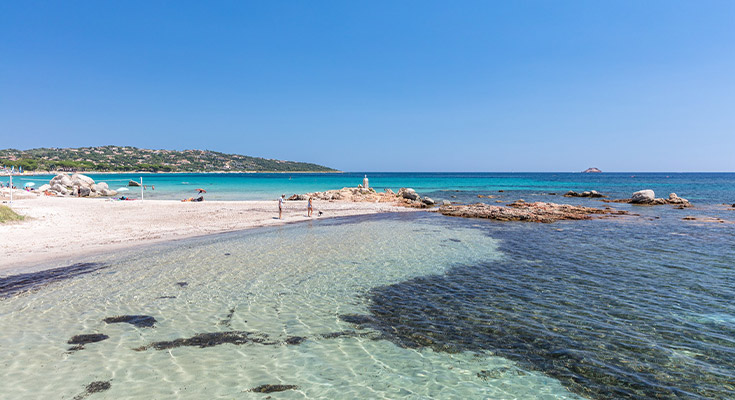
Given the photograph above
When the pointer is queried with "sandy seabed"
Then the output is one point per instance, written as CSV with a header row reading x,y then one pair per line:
x,y
58,230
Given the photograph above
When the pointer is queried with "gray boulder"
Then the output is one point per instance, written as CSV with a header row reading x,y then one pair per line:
x,y
446,203
61,179
82,180
428,201
643,196
408,193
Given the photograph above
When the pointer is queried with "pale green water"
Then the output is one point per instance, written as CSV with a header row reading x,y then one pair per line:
x,y
283,282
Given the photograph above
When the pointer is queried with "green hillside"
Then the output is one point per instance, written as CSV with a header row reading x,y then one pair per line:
x,y
124,159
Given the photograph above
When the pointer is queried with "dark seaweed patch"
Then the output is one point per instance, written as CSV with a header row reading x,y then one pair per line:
x,y
81,340
166,297
203,340
141,321
228,318
21,283
357,319
94,387
608,324
294,340
272,388
182,284
347,333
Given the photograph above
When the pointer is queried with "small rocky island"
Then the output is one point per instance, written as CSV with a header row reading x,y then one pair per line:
x,y
591,170
648,197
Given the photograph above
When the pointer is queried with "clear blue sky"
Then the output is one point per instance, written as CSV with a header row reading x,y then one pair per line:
x,y
379,85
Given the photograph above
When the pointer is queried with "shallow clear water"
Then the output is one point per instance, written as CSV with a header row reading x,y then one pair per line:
x,y
410,305
280,283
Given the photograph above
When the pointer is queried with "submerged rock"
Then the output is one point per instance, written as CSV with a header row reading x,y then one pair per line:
x,y
203,340
94,387
81,340
522,211
15,284
272,388
141,321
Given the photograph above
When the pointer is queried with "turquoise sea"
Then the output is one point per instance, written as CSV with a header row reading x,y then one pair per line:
x,y
698,187
394,306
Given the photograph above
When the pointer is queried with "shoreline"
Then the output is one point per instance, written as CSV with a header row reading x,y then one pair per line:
x,y
58,230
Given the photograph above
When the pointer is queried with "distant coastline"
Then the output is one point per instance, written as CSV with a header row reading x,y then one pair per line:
x,y
36,173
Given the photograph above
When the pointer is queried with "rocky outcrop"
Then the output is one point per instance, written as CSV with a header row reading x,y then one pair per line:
x,y
591,170
405,197
586,193
133,183
648,198
643,196
408,193
529,212
76,185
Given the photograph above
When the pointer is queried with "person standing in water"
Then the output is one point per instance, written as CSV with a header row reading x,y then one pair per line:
x,y
280,206
309,207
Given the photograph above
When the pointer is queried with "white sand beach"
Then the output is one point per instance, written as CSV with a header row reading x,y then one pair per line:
x,y
58,229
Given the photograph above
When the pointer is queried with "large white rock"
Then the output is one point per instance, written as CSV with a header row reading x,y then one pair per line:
x,y
83,180
103,185
61,179
45,187
643,196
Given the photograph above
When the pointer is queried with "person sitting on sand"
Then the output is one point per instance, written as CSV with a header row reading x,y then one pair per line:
x,y
309,207
280,206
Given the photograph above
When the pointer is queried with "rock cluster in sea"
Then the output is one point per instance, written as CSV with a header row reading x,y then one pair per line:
x,y
586,193
522,211
647,197
77,185
405,197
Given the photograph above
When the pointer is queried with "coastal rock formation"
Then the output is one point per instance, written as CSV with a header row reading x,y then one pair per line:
x,y
408,193
591,170
522,211
76,185
648,198
643,196
405,197
586,193
133,183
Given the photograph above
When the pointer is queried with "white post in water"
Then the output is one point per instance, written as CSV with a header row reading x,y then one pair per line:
x,y
141,188
11,188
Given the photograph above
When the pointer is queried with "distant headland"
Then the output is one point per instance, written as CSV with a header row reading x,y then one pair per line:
x,y
591,170
133,159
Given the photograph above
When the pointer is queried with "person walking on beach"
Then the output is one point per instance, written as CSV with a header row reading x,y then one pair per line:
x,y
280,206
309,207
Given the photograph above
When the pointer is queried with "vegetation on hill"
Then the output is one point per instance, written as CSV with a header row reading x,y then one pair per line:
x,y
124,159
